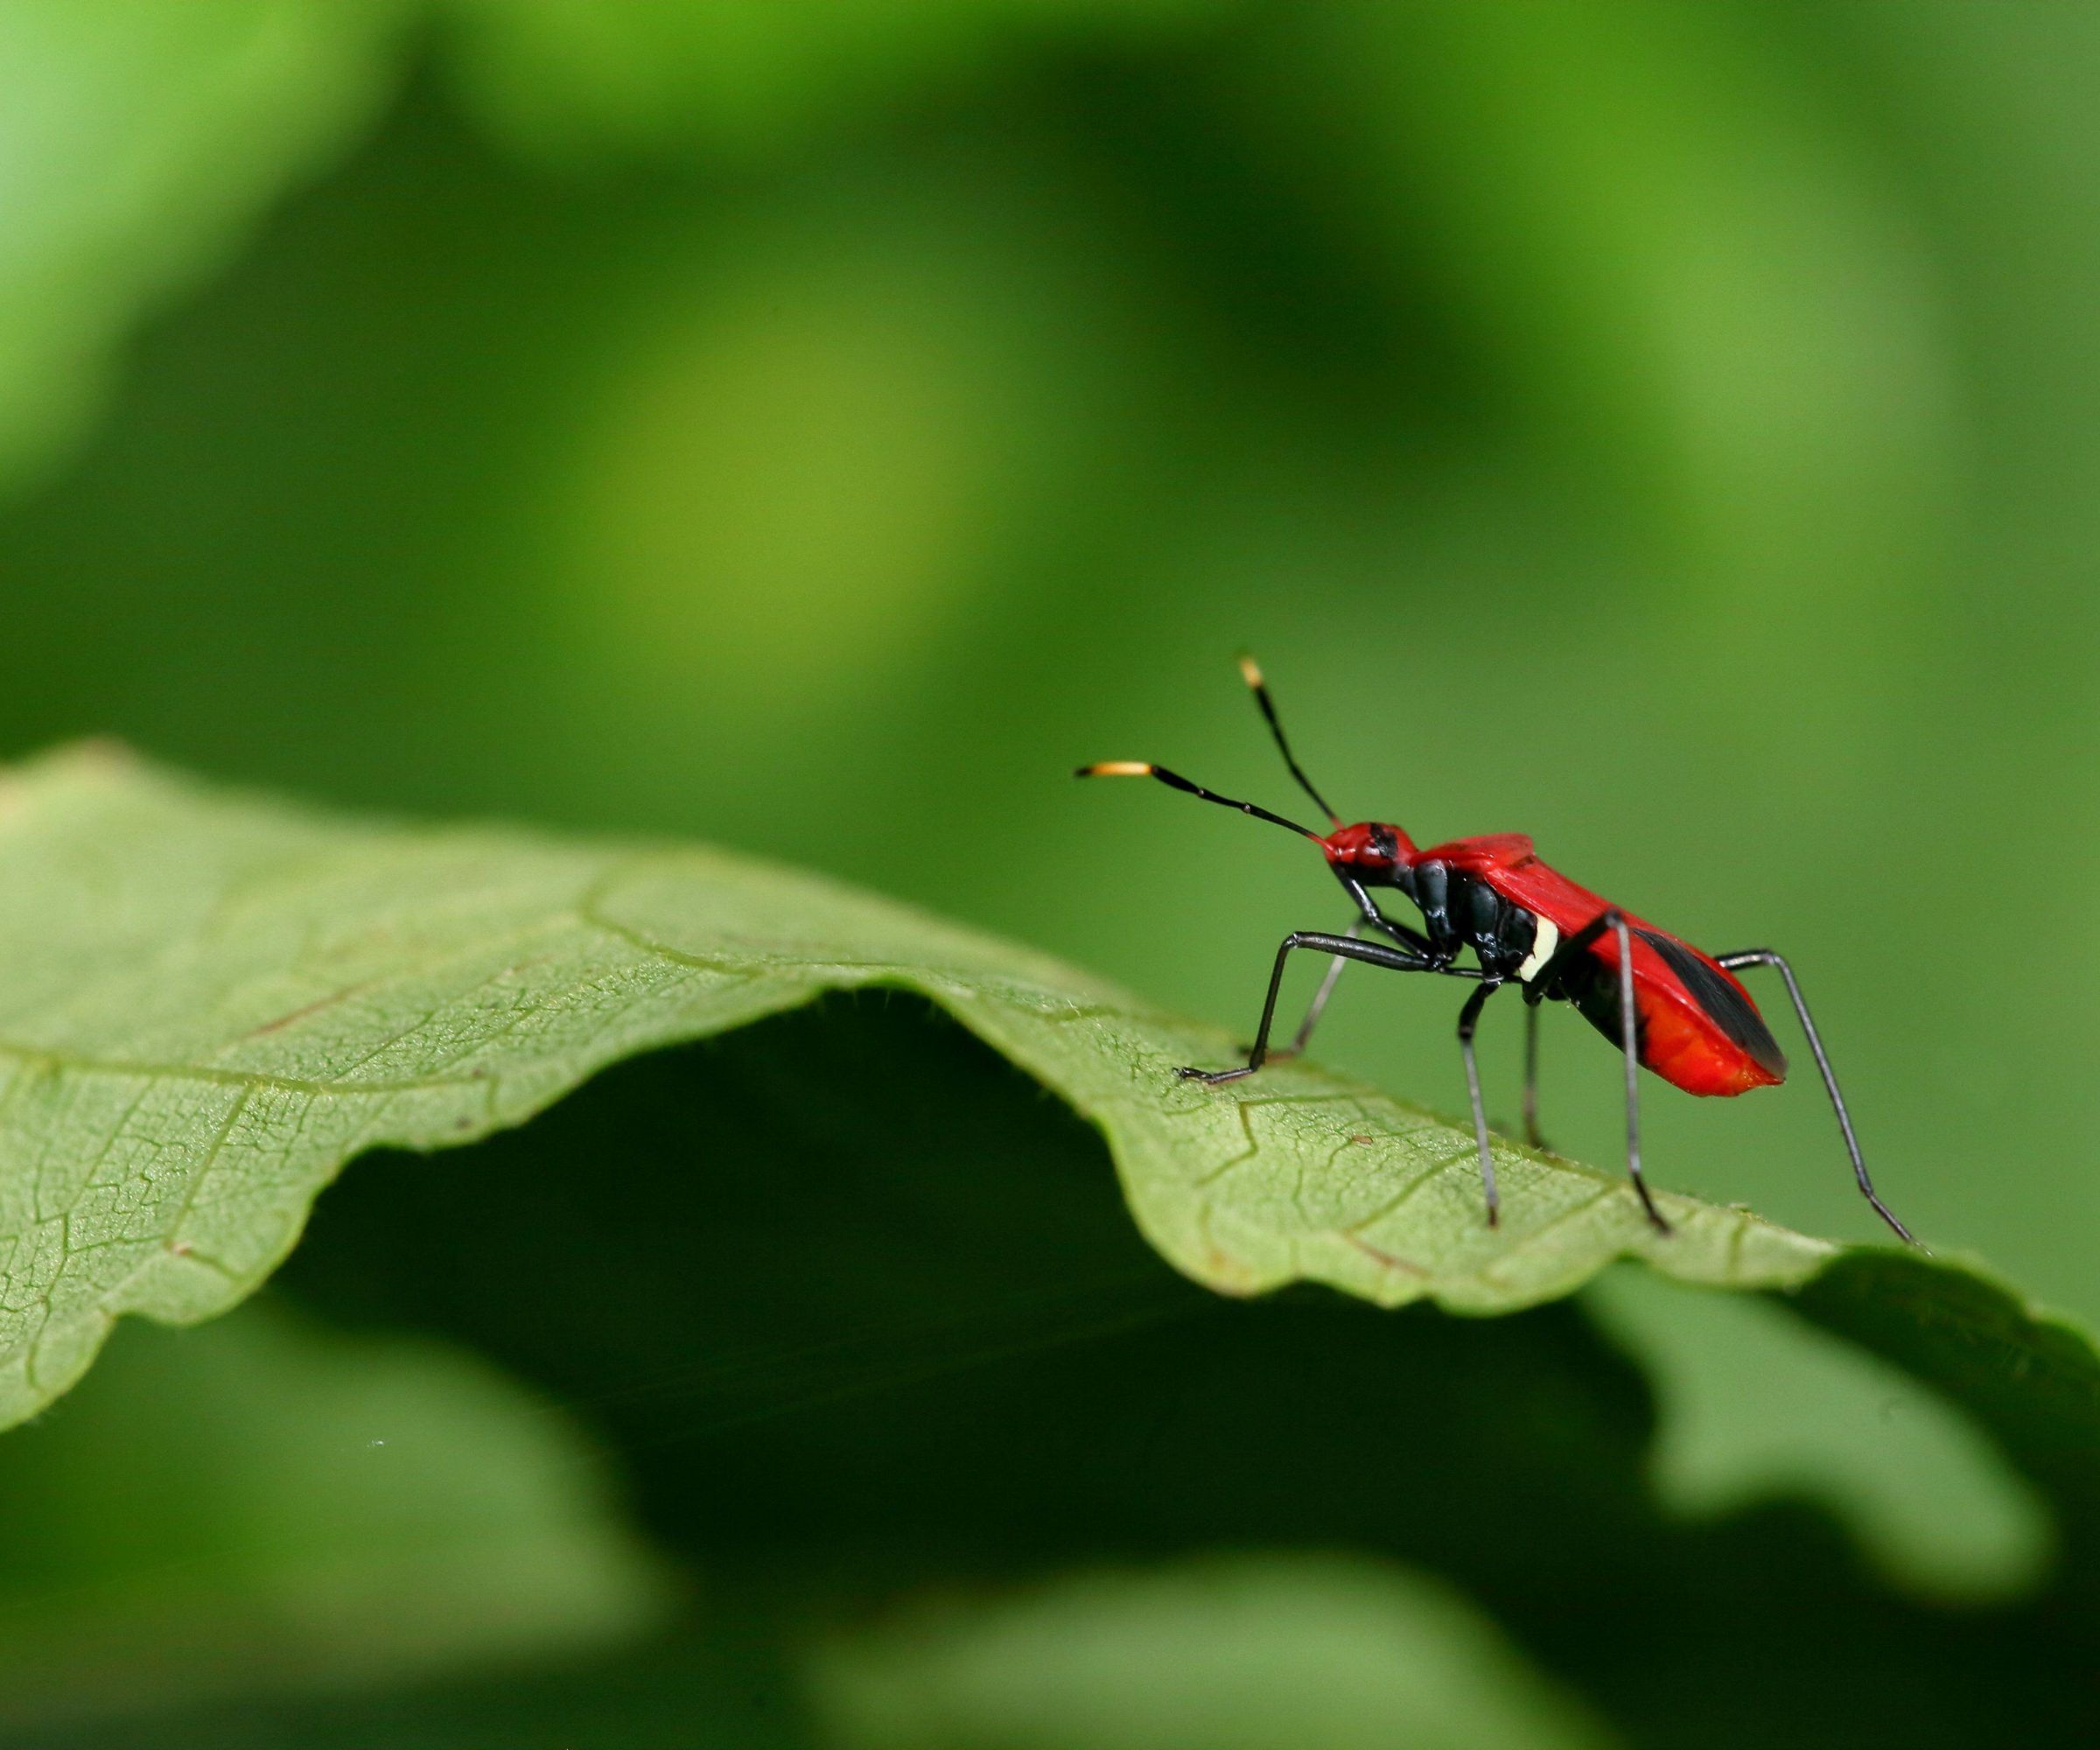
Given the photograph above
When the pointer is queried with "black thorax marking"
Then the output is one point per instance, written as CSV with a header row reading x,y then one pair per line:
x,y
1461,911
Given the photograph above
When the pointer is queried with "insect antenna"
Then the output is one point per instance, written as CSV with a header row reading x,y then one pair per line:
x,y
1143,769
1251,671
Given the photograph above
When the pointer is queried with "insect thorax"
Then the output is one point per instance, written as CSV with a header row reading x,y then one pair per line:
x,y
1461,911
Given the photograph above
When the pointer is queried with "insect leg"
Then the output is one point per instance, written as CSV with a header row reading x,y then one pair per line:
x,y
1343,947
1629,1042
1469,1017
1313,1010
1412,940
1629,1033
1765,956
1531,1135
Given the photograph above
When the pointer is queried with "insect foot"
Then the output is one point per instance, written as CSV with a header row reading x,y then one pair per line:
x,y
1212,1078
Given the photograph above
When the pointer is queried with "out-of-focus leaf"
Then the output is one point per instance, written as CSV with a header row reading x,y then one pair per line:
x,y
564,78
1237,1654
686,1690
2031,1378
136,142
862,1311
261,1506
1752,1404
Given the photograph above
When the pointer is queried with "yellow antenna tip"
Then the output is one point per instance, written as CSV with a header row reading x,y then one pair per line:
x,y
1250,672
1115,768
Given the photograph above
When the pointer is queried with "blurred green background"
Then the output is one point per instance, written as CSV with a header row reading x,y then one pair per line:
x,y
1663,428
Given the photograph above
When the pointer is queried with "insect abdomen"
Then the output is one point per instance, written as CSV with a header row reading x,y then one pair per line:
x,y
1683,1041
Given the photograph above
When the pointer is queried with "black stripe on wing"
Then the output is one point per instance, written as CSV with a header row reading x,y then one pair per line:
x,y
1725,1005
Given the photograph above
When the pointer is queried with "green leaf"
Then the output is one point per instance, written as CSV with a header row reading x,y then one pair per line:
x,y
2032,1379
861,1312
1239,1651
264,1507
137,140
212,1001
1754,1404
686,1690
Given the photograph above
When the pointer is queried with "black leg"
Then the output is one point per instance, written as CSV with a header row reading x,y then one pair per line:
x,y
1469,1018
1629,1042
1629,1033
1303,1037
1531,1135
1765,956
1343,947
1412,940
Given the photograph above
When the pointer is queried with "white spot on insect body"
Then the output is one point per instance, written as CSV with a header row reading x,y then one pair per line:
x,y
1541,950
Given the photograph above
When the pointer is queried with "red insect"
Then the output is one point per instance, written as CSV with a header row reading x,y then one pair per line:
x,y
1666,1005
